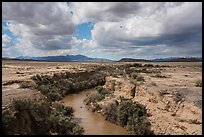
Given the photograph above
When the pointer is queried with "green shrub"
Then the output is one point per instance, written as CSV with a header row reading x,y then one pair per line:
x,y
67,111
140,78
59,85
24,84
127,108
93,97
110,112
8,121
63,125
153,84
134,116
46,120
22,104
54,96
96,107
198,83
148,65
137,65
134,75
159,76
113,85
102,91
139,125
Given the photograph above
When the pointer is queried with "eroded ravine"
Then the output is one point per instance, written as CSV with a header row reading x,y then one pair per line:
x,y
93,123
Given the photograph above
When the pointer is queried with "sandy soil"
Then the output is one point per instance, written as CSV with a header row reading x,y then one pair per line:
x,y
165,115
15,72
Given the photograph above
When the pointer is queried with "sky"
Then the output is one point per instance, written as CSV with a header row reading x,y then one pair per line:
x,y
111,30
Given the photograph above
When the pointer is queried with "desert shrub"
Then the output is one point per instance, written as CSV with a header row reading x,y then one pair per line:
x,y
137,65
96,107
63,125
53,96
113,74
22,104
153,84
44,120
163,92
198,103
157,66
26,84
65,110
127,109
164,66
103,91
99,89
159,76
57,86
110,112
41,107
8,121
44,89
198,83
140,78
134,116
148,65
128,71
127,66
178,96
134,75
91,98
139,125
113,85
62,121
19,72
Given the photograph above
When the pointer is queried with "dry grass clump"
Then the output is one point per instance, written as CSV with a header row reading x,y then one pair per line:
x,y
159,76
198,83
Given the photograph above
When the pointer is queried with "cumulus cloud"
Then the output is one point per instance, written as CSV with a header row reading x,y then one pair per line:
x,y
6,41
170,29
41,26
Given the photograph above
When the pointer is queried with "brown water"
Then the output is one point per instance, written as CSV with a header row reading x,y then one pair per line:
x,y
93,123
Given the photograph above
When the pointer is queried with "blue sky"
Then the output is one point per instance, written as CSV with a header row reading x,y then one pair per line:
x,y
150,30
7,32
84,30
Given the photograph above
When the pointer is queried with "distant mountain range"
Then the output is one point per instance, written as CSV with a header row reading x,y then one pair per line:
x,y
132,60
67,58
82,58
171,59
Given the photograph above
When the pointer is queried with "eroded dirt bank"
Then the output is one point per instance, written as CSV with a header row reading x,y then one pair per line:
x,y
171,110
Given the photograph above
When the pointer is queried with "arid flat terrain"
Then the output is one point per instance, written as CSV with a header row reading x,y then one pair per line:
x,y
171,94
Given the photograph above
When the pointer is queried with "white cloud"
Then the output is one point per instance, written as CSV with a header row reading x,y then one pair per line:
x,y
39,26
138,28
6,38
6,41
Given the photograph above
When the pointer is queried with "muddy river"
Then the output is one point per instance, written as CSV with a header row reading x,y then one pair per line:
x,y
93,123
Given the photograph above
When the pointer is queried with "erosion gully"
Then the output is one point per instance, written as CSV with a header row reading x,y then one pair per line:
x,y
93,123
